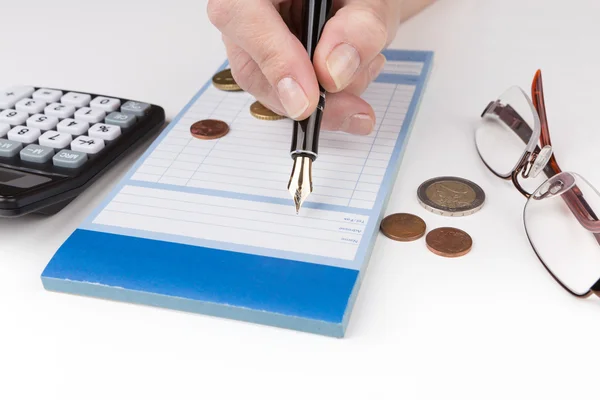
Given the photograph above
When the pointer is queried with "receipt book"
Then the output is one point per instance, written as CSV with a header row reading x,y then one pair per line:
x,y
193,226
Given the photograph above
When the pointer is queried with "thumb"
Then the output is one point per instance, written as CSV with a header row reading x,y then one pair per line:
x,y
352,39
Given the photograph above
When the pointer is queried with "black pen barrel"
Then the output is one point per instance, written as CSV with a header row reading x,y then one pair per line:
x,y
305,139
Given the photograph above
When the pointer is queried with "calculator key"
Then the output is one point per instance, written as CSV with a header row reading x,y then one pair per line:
x,y
47,95
106,104
30,106
24,134
76,99
9,97
135,108
72,127
13,117
105,132
36,153
42,122
60,111
9,148
86,144
120,119
90,115
69,159
55,140
4,128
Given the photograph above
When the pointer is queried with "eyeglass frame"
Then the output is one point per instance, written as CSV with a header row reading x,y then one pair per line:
x,y
536,159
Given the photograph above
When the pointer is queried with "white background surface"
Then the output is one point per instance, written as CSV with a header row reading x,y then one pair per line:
x,y
492,325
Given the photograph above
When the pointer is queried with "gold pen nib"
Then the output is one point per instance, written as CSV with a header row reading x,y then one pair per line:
x,y
300,185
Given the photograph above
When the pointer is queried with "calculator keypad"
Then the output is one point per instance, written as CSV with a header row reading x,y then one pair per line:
x,y
72,127
125,121
90,115
13,117
69,159
60,111
47,95
42,122
105,131
36,153
24,134
55,140
135,108
30,106
4,128
86,144
105,104
76,99
61,128
10,96
9,148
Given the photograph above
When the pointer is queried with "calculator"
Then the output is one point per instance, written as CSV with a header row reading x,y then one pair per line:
x,y
55,143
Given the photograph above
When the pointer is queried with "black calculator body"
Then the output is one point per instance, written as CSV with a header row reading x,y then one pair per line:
x,y
55,143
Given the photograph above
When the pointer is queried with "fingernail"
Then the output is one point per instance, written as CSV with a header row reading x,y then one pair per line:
x,y
376,66
358,124
292,97
342,63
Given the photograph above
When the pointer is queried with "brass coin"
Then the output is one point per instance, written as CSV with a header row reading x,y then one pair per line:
x,y
451,196
224,80
209,129
449,242
403,227
261,112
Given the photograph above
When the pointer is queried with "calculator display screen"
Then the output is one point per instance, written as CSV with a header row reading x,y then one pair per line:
x,y
20,179
7,176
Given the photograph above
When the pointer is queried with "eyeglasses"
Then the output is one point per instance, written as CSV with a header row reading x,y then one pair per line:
x,y
561,213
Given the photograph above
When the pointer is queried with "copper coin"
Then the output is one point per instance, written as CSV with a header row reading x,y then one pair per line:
x,y
224,80
209,129
403,227
451,196
449,242
261,112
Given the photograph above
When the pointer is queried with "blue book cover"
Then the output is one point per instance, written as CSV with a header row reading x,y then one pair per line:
x,y
194,226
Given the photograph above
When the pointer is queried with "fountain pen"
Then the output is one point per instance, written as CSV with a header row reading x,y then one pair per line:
x,y
305,138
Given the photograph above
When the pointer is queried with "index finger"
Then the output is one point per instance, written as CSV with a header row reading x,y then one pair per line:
x,y
257,27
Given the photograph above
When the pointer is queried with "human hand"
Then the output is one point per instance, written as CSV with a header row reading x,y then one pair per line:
x,y
269,61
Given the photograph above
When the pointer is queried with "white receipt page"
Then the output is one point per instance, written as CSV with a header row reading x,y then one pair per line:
x,y
231,193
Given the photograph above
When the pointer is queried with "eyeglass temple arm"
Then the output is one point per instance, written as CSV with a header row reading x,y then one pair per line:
x,y
517,124
573,197
582,211
537,96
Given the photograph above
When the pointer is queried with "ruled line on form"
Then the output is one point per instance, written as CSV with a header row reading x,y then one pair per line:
x,y
348,172
244,222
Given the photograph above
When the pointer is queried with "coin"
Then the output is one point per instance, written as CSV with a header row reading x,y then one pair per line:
x,y
451,196
224,80
403,227
261,112
449,242
209,129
